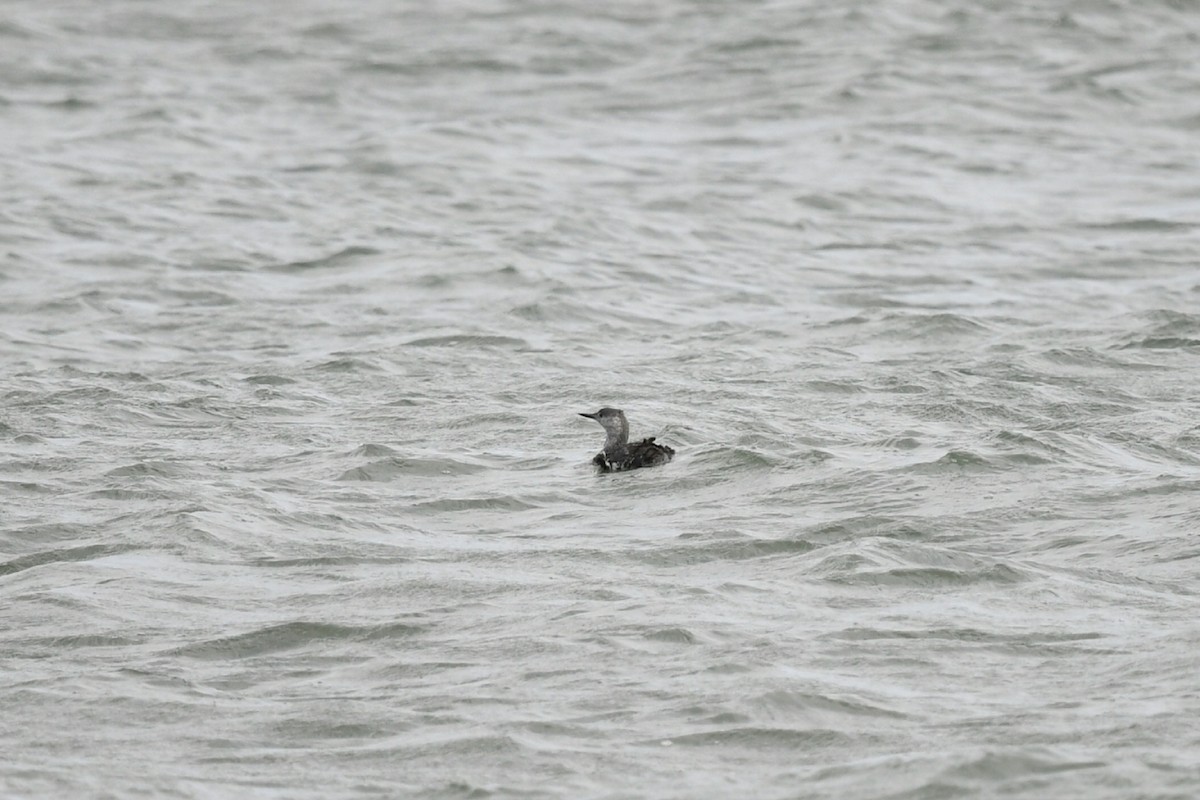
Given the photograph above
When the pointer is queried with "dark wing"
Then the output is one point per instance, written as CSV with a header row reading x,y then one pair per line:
x,y
647,453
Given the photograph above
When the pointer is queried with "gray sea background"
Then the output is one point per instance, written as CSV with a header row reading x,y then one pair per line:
x,y
300,301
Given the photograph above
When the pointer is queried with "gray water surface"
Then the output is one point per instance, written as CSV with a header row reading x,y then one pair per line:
x,y
299,304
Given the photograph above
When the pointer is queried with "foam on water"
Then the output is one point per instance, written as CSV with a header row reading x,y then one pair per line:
x,y
299,305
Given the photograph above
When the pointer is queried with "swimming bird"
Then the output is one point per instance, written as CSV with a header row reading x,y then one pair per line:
x,y
618,454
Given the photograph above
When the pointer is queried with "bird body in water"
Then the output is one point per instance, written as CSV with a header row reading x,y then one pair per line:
x,y
618,454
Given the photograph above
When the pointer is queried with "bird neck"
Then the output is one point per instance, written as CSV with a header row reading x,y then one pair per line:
x,y
618,436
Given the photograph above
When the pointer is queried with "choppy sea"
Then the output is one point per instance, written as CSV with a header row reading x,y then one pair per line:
x,y
300,301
